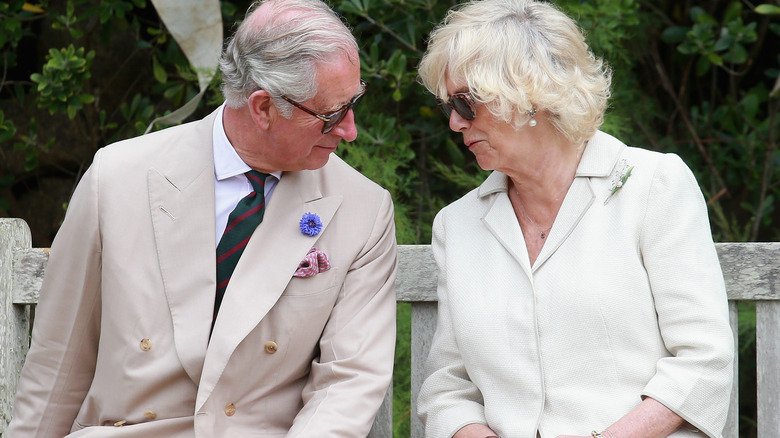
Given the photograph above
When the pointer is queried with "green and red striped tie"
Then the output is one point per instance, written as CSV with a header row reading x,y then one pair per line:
x,y
241,223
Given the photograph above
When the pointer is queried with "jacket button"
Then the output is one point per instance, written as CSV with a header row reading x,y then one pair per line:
x,y
150,415
271,347
146,344
230,409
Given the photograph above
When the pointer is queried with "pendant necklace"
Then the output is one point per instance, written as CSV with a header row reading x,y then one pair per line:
x,y
545,232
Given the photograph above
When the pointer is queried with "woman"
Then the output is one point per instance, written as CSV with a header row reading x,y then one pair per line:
x,y
580,294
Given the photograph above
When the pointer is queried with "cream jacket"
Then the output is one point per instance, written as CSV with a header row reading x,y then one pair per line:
x,y
121,339
625,300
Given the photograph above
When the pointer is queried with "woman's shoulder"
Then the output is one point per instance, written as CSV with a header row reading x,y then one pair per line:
x,y
475,200
658,162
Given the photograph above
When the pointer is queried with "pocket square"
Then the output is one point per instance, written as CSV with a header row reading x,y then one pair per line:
x,y
315,262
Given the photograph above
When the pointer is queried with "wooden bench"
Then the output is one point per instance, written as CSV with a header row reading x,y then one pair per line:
x,y
751,270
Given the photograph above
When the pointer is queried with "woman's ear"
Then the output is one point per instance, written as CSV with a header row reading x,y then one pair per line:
x,y
261,109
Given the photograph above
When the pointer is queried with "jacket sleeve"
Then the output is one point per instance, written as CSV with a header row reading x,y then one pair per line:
x,y
60,365
690,300
349,380
448,399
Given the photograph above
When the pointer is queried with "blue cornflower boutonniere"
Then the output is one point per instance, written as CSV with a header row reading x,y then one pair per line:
x,y
310,224
618,179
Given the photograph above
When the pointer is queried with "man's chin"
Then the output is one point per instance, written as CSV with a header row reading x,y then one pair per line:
x,y
319,160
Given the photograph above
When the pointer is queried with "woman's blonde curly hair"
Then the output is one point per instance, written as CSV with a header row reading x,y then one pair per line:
x,y
516,54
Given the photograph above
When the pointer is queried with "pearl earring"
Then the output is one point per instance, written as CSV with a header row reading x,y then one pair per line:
x,y
531,114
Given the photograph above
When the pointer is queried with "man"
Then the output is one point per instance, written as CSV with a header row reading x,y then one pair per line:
x,y
136,334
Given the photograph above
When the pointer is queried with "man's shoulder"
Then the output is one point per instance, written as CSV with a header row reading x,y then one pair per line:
x,y
189,141
340,176
198,131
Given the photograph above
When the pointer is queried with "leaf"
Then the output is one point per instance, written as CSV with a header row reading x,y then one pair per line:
x,y
715,59
674,34
86,98
32,8
737,55
396,65
733,12
749,105
766,9
699,15
159,72
172,91
723,43
7,129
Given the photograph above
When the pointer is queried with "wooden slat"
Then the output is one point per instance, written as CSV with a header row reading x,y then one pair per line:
x,y
29,265
417,274
383,423
423,326
731,430
768,368
751,270
14,320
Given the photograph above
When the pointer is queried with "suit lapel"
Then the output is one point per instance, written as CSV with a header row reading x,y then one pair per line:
x,y
500,220
268,263
577,201
598,160
181,197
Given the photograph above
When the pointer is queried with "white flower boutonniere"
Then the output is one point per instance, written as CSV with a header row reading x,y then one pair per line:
x,y
618,179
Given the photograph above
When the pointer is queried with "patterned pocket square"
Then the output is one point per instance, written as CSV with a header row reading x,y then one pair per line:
x,y
315,262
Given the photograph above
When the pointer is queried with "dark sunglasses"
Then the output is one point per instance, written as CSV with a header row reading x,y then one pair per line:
x,y
334,118
462,103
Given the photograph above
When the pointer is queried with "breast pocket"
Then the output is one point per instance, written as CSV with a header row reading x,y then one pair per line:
x,y
314,285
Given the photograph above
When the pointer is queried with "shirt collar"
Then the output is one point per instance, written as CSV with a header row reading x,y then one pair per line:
x,y
227,163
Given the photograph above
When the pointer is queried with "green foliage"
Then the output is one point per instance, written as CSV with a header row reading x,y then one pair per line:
x,y
31,146
12,32
379,151
7,129
402,378
59,87
739,121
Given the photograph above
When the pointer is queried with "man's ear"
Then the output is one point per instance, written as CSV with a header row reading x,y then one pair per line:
x,y
262,109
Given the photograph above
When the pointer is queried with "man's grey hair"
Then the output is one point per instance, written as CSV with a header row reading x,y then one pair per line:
x,y
280,53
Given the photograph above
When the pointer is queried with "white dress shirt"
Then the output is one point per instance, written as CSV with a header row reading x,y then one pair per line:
x,y
230,183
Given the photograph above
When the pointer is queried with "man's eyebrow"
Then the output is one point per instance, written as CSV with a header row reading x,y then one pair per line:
x,y
338,106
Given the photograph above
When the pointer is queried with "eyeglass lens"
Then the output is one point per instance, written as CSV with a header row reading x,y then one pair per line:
x,y
338,116
460,104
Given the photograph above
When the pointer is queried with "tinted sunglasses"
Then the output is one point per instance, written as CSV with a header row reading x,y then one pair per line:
x,y
334,118
462,103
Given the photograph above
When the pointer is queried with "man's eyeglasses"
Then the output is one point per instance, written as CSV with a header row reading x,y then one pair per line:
x,y
334,118
462,103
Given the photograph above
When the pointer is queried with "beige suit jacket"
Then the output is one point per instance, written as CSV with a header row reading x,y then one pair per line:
x,y
625,300
121,339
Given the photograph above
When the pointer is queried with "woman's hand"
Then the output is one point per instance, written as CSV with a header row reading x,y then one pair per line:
x,y
650,419
474,431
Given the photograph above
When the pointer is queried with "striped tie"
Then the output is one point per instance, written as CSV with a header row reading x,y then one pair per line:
x,y
241,223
